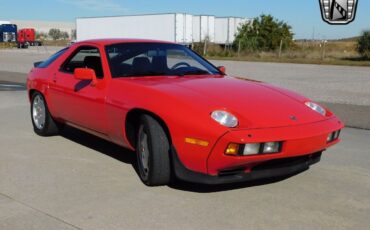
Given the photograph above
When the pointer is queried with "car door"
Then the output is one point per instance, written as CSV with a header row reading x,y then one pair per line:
x,y
78,101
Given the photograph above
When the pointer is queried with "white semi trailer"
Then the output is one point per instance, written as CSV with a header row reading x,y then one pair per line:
x,y
226,28
203,28
173,27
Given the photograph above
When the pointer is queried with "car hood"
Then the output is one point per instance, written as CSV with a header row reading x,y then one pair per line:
x,y
255,104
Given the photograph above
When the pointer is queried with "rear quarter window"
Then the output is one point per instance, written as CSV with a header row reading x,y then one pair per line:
x,y
52,58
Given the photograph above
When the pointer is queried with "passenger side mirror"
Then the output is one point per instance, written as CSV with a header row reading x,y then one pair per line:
x,y
85,74
222,69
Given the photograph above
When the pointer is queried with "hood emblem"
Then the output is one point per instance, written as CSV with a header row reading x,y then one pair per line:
x,y
293,118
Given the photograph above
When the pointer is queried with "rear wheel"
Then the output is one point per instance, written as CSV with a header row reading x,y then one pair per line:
x,y
43,123
152,150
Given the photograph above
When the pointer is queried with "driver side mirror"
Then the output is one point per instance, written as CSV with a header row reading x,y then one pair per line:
x,y
85,74
222,69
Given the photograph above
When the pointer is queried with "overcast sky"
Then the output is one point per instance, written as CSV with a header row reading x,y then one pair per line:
x,y
303,15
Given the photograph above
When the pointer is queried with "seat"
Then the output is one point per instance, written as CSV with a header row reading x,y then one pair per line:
x,y
141,65
94,62
159,64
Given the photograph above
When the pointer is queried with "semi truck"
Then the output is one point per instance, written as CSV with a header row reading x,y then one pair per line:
x,y
22,38
28,36
8,33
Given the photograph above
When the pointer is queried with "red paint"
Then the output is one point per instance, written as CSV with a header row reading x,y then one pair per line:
x,y
26,35
185,104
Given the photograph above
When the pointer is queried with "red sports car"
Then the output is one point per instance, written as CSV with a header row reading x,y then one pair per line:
x,y
184,117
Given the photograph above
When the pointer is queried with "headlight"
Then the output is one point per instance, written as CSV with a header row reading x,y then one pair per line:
x,y
315,107
225,118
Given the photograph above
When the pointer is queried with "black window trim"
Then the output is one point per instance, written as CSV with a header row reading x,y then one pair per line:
x,y
52,58
78,49
106,47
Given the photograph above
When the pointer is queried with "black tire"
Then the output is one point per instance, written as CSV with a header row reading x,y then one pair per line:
x,y
157,169
50,127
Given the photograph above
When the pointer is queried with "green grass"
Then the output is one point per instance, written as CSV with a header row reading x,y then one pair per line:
x,y
55,43
326,61
341,52
7,45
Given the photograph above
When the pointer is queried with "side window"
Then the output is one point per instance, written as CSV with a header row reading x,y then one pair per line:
x,y
84,57
52,58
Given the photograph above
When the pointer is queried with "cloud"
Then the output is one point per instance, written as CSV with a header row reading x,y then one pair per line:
x,y
96,5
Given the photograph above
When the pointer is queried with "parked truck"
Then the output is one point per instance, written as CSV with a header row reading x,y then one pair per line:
x,y
8,33
28,36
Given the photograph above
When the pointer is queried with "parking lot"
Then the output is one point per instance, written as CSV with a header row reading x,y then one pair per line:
x,y
77,181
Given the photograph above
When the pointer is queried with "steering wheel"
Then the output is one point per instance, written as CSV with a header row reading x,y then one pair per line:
x,y
180,64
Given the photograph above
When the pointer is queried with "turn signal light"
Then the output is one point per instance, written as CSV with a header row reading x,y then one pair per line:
x,y
333,136
195,141
232,149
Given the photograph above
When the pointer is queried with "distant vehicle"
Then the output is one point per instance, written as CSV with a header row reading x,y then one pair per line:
x,y
28,36
8,33
184,117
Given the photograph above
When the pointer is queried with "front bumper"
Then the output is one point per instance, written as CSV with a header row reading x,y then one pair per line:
x,y
269,169
296,141
302,146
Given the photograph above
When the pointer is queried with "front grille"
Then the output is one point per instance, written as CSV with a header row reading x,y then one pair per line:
x,y
286,162
231,172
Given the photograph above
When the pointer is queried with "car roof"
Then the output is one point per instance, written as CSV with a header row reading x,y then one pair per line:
x,y
110,41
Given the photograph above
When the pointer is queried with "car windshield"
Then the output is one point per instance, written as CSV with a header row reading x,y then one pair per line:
x,y
156,59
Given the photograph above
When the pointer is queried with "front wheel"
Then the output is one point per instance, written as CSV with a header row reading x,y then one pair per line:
x,y
152,150
43,123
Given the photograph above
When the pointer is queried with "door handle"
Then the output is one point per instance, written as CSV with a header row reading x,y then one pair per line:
x,y
54,78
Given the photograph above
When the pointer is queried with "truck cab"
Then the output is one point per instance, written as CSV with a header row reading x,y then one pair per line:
x,y
8,33
28,36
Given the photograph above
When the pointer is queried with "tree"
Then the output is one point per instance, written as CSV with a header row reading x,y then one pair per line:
x,y
264,33
64,35
55,34
363,44
41,35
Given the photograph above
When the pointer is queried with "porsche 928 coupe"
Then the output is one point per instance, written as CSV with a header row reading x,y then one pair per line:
x,y
184,117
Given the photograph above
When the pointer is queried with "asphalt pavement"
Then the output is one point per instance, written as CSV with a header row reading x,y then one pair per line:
x,y
78,181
